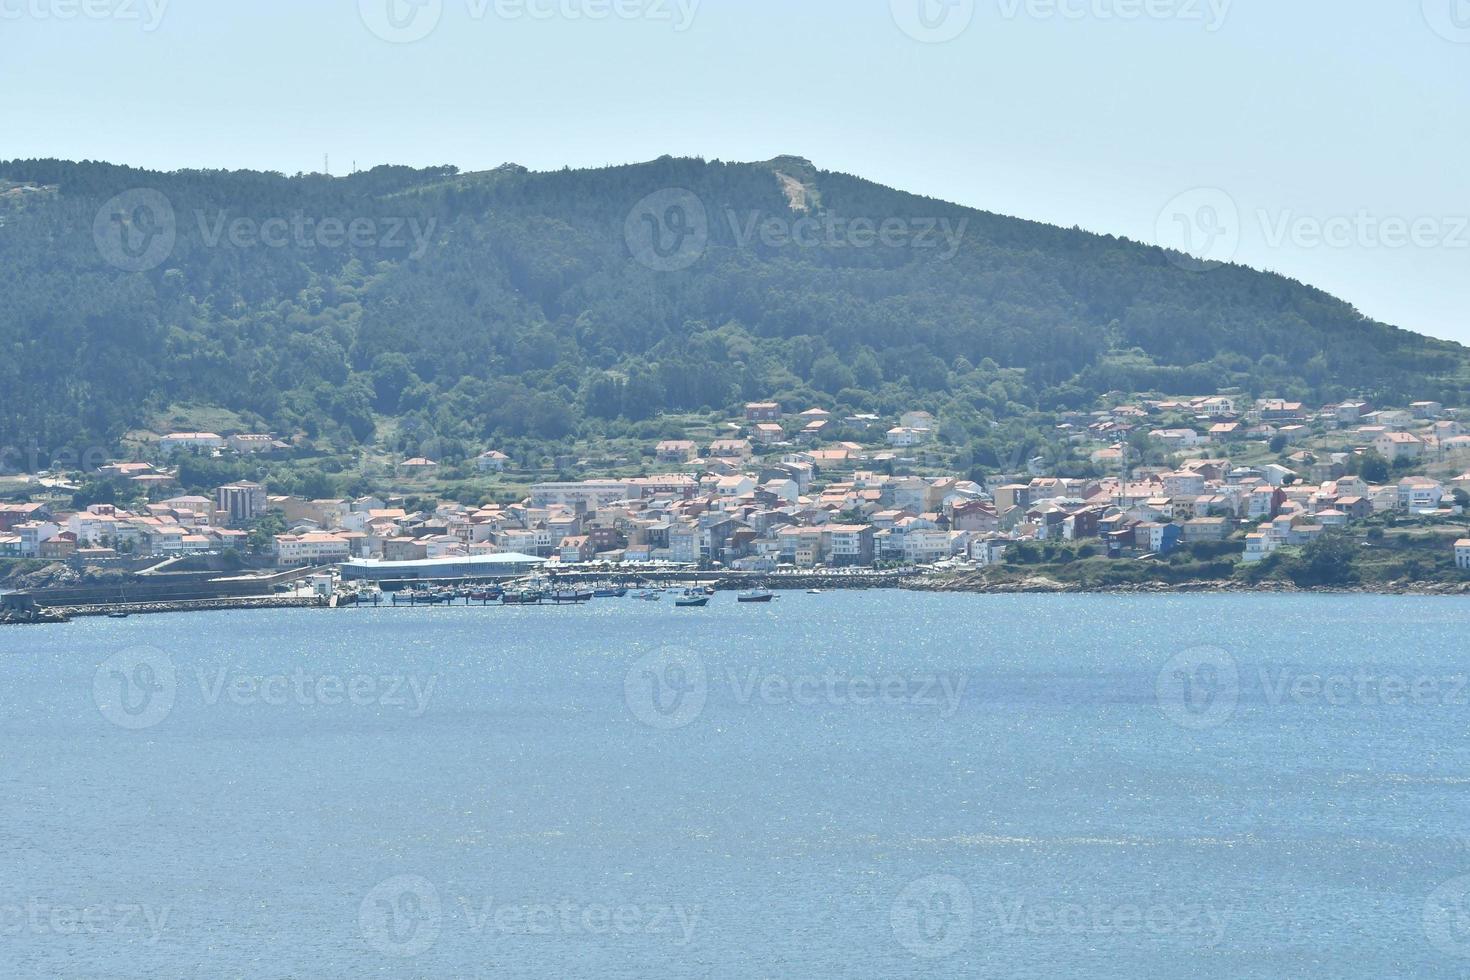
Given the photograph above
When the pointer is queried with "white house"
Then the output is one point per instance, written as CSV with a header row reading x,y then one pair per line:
x,y
1259,546
202,441
1395,446
903,437
312,549
1462,554
491,462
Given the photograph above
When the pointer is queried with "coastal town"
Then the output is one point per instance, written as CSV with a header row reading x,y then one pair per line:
x,y
1242,480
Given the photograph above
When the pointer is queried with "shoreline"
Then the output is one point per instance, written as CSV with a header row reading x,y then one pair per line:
x,y
1033,586
1041,585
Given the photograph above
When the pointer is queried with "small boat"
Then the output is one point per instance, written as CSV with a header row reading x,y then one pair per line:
x,y
756,595
692,601
813,591
527,598
561,596
118,615
649,596
609,593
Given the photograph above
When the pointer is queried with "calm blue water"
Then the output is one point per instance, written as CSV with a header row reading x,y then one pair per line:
x,y
851,784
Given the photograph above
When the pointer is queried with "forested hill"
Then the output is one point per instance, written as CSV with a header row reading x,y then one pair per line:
x,y
514,305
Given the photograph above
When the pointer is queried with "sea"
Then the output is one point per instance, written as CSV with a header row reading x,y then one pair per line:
x,y
851,784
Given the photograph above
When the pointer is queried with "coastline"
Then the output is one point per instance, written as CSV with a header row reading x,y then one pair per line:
x,y
1041,585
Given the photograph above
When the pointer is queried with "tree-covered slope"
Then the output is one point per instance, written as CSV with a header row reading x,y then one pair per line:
x,y
513,304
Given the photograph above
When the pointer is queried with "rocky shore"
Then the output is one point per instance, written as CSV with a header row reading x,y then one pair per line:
x,y
1041,585
62,614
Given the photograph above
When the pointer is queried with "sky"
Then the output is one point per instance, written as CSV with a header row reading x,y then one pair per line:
x,y
1327,140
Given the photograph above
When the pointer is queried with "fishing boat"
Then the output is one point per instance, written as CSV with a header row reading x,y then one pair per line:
x,y
692,600
563,596
756,595
609,593
649,596
118,615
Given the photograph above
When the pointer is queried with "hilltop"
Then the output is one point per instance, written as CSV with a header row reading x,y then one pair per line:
x,y
512,305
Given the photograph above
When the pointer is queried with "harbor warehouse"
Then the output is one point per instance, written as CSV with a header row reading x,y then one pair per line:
x,y
441,569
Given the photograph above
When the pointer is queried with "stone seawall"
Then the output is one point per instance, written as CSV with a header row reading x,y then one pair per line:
x,y
193,605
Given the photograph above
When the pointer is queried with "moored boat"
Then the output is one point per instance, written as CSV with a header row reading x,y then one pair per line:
x,y
756,595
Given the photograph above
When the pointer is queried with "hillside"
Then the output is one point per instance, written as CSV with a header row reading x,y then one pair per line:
x,y
512,305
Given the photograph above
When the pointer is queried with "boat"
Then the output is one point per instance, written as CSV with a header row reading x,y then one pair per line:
x,y
649,596
609,593
813,591
756,595
692,601
561,596
525,598
118,615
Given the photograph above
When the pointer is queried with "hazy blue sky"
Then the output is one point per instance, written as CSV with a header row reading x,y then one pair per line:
x,y
1344,117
